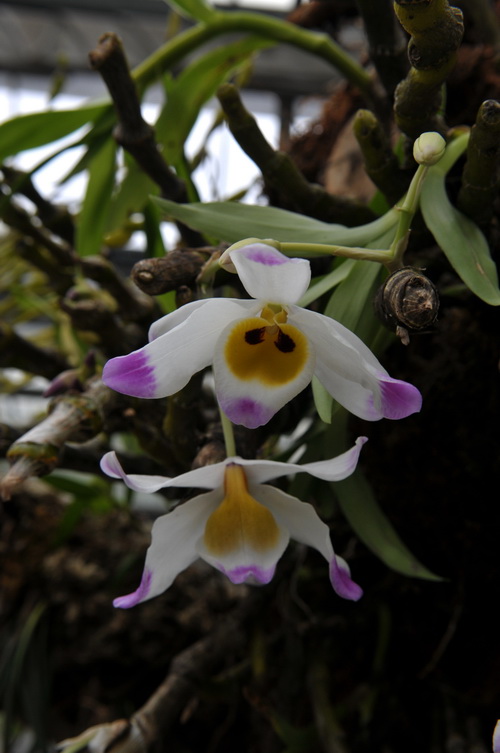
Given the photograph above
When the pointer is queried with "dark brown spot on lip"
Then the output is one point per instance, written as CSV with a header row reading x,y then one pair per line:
x,y
284,343
255,336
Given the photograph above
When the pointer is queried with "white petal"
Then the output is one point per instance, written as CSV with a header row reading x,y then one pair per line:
x,y
351,373
173,547
166,364
207,477
305,526
496,738
170,321
334,469
269,275
267,380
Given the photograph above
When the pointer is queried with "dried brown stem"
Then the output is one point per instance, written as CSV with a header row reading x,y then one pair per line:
x,y
141,733
160,275
19,219
280,171
132,132
133,304
72,417
55,218
17,352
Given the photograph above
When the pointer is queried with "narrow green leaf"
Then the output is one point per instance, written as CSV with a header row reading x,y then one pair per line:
x,y
323,401
358,503
154,239
197,9
324,284
93,218
348,301
461,240
131,196
231,222
36,129
194,86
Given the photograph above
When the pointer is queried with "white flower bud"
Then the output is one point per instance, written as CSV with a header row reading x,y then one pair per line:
x,y
429,148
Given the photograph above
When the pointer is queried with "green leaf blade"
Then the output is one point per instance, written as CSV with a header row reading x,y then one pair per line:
x,y
231,222
37,129
93,219
358,504
460,239
197,9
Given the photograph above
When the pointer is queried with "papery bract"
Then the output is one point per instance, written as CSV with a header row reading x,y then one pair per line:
x,y
264,351
241,525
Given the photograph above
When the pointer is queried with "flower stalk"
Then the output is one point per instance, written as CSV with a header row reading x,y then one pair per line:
x,y
265,26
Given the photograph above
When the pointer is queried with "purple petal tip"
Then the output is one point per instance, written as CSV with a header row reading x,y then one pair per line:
x,y
130,600
251,574
246,412
130,375
399,399
342,582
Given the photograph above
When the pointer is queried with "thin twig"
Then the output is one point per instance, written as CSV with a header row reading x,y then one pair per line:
x,y
132,132
280,171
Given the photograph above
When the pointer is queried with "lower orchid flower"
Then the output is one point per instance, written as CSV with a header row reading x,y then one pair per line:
x,y
264,351
241,526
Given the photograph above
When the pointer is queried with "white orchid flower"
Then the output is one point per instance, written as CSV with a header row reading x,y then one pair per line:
x,y
264,351
496,738
241,526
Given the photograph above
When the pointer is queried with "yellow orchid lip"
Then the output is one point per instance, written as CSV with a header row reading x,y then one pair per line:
x,y
266,348
239,522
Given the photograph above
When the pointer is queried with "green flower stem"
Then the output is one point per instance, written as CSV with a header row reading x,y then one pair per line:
x,y
227,430
317,44
307,250
407,209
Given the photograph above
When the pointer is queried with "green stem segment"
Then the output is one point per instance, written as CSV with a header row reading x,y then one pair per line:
x,y
268,27
381,163
281,173
227,430
436,30
480,174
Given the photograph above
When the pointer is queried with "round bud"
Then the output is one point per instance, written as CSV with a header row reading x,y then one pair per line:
x,y
429,148
407,302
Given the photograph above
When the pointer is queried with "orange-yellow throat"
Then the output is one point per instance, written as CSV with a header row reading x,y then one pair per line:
x,y
240,522
266,348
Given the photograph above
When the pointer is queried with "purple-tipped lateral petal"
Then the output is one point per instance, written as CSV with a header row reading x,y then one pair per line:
x,y
252,574
130,375
130,600
341,580
398,399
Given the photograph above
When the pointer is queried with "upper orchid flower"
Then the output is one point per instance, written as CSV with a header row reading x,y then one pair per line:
x,y
241,527
264,351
